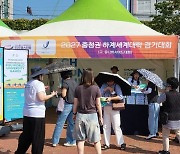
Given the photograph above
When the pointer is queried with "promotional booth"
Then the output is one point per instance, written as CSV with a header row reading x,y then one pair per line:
x,y
100,34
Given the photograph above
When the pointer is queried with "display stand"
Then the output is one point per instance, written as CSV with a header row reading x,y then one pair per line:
x,y
134,119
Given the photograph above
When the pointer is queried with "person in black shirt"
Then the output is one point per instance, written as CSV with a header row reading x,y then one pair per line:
x,y
154,108
67,92
171,106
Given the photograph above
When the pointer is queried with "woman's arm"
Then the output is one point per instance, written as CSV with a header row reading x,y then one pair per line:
x,y
99,108
75,108
148,91
43,97
63,92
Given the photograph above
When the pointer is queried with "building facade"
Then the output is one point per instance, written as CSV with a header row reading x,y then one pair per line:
x,y
127,4
6,9
142,9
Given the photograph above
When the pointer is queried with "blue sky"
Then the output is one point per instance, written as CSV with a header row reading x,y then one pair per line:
x,y
40,8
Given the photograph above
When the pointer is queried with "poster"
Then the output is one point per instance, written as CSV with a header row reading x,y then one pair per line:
x,y
1,84
15,78
137,98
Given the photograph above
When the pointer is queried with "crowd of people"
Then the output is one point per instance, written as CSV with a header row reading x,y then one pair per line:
x,y
84,114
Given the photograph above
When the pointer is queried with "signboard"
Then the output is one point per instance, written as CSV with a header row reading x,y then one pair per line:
x,y
104,47
137,98
15,77
1,84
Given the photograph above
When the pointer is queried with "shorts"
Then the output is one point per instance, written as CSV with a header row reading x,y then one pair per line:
x,y
87,128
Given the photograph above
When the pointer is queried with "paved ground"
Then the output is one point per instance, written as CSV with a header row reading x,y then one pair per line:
x,y
135,144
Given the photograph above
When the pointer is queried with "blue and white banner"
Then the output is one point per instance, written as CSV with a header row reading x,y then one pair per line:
x,y
15,78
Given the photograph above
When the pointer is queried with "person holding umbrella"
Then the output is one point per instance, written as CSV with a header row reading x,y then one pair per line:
x,y
34,113
171,106
134,80
109,89
151,91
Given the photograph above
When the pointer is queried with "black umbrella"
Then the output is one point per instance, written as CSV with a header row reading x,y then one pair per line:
x,y
57,67
103,77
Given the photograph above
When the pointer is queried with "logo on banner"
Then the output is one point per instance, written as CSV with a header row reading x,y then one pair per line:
x,y
46,47
19,45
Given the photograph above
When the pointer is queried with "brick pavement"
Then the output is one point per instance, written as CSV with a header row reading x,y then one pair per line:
x,y
135,144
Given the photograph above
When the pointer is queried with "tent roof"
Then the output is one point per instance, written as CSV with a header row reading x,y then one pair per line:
x,y
2,24
97,9
5,30
94,18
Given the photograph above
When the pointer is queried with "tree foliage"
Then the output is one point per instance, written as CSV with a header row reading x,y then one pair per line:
x,y
24,24
167,20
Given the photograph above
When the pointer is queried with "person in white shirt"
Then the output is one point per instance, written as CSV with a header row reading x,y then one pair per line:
x,y
134,80
34,113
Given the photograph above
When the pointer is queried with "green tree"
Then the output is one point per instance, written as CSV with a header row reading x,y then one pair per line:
x,y
167,20
24,24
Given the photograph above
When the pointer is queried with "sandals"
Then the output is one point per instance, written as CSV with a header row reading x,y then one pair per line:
x,y
123,146
163,152
105,147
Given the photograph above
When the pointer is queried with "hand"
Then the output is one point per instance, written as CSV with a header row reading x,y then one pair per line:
x,y
74,117
108,99
46,87
101,121
53,93
142,90
136,87
109,89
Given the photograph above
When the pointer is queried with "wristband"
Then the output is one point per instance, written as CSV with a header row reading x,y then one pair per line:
x,y
75,113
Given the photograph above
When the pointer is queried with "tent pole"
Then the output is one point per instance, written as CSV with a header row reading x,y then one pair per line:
x,y
178,63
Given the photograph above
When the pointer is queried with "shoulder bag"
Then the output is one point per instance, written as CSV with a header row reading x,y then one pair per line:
x,y
60,106
118,105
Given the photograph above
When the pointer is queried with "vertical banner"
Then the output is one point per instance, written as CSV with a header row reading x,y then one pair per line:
x,y
1,84
15,78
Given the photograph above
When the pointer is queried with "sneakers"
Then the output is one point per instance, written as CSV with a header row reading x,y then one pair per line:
x,y
105,147
54,145
163,152
150,137
123,146
69,144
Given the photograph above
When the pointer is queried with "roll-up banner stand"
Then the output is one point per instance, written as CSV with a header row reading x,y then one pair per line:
x,y
15,78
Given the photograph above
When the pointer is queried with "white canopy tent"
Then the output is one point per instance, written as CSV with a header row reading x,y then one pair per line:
x,y
5,30
94,18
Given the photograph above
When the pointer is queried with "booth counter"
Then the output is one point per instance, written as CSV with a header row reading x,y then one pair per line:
x,y
134,119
